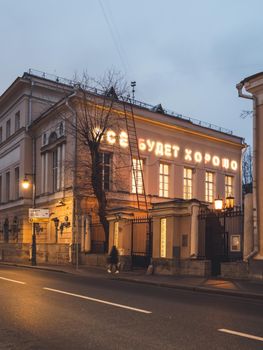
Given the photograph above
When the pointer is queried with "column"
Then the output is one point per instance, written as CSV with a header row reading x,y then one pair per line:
x,y
194,231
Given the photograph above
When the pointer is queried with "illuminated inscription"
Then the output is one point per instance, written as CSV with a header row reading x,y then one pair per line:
x,y
169,150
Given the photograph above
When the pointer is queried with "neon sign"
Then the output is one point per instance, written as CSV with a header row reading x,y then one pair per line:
x,y
171,151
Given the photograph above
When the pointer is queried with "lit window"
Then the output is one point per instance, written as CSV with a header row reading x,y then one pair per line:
x,y
17,121
116,234
188,183
209,186
105,162
164,180
137,182
8,128
228,186
163,238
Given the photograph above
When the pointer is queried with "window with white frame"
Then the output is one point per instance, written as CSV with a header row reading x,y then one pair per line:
x,y
164,180
209,186
229,186
188,183
105,163
137,181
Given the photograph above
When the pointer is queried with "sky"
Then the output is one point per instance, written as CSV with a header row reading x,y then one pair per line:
x,y
187,55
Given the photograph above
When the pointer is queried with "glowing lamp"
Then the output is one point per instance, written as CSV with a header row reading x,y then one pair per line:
x,y
218,203
230,202
25,183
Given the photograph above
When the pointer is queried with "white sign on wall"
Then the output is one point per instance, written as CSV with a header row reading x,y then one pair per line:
x,y
38,215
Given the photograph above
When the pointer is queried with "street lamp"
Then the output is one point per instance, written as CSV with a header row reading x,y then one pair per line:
x,y
221,206
25,185
224,208
218,203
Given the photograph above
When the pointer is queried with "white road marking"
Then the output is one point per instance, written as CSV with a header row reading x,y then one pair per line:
x,y
8,279
99,301
245,335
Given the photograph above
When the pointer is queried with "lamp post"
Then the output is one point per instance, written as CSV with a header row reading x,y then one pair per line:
x,y
224,208
25,185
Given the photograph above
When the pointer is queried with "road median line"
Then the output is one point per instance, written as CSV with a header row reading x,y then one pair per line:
x,y
10,280
240,334
98,300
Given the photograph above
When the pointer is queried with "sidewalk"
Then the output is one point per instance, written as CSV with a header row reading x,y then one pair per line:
x,y
240,288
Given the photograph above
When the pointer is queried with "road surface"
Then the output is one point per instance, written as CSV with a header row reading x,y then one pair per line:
x,y
51,310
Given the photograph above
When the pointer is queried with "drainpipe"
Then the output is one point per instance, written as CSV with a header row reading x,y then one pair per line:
x,y
30,103
254,183
74,177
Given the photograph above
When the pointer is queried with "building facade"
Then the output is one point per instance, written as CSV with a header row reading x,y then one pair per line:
x,y
155,167
252,88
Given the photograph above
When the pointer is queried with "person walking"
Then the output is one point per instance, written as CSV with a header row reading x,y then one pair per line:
x,y
113,260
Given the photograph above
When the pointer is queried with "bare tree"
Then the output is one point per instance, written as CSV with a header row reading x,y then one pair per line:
x,y
96,111
247,170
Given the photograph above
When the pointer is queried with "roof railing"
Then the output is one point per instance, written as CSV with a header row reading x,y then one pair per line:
x,y
72,83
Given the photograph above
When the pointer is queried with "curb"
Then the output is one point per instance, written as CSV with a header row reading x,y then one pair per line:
x,y
43,268
200,289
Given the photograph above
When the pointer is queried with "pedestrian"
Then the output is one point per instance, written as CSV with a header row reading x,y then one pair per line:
x,y
113,260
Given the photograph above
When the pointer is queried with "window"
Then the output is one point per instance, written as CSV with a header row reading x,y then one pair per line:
x,y
44,139
17,121
61,129
7,186
137,181
184,240
55,169
228,186
16,182
105,163
188,183
163,238
209,186
8,128
1,134
164,180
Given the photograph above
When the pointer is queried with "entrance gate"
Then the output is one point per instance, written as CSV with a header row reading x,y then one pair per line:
x,y
221,237
141,242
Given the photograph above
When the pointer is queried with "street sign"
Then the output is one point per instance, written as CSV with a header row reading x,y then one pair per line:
x,y
38,215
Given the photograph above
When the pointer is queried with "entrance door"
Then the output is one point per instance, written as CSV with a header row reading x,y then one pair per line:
x,y
216,242
141,248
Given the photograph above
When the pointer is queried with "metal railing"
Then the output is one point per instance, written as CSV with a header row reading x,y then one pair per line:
x,y
73,83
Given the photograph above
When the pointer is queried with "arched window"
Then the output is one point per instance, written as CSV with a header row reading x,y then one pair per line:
x,y
53,137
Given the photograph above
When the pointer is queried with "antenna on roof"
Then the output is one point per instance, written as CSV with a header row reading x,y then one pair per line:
x,y
133,84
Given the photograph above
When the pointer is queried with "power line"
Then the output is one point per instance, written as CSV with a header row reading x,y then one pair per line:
x,y
115,37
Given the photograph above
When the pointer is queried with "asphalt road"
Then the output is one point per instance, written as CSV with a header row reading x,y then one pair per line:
x,y
49,310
